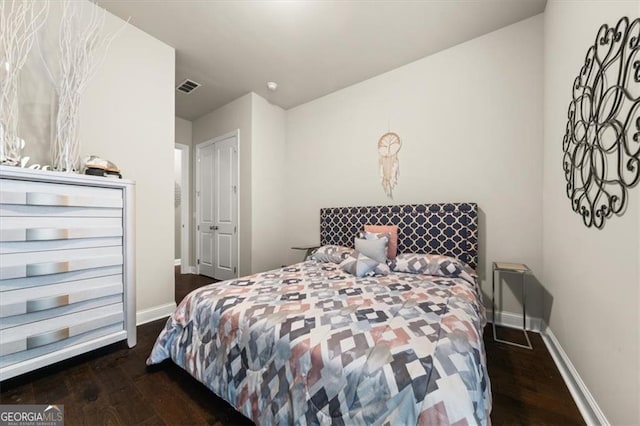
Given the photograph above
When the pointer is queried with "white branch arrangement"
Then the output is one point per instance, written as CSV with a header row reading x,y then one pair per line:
x,y
82,48
20,20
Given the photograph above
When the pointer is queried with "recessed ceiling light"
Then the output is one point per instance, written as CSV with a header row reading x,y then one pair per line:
x,y
272,85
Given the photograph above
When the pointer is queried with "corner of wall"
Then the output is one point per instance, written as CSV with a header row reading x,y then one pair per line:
x,y
573,255
144,316
583,398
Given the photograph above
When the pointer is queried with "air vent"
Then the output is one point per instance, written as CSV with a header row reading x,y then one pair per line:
x,y
187,86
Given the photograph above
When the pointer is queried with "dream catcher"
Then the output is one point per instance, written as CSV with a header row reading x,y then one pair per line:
x,y
388,147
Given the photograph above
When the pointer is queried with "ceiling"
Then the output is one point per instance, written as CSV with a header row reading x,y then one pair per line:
x,y
310,48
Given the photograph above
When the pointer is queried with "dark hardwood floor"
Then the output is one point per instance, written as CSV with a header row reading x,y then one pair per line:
x,y
112,386
186,283
526,385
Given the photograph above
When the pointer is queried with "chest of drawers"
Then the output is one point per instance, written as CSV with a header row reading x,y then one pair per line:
x,y
67,270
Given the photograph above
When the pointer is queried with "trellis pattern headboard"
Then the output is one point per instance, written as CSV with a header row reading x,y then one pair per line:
x,y
450,229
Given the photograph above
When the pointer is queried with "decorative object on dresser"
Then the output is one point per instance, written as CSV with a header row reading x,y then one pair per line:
x,y
96,166
389,145
21,20
67,271
601,145
82,46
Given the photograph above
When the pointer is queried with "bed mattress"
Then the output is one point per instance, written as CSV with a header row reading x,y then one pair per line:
x,y
311,344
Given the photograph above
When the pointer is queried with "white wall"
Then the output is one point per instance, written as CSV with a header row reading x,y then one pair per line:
x,y
268,185
592,276
184,136
184,131
126,116
235,115
470,119
177,211
262,175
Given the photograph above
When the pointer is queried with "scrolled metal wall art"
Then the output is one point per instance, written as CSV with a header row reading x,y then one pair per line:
x,y
601,145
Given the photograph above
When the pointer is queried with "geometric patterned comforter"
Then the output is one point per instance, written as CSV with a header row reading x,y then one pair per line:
x,y
311,344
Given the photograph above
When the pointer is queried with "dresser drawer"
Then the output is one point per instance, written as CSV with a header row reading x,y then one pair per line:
x,y
8,210
42,333
17,265
84,274
27,234
43,199
37,229
86,305
15,361
31,246
48,298
17,192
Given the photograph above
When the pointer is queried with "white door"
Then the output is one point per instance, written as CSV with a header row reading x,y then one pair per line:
x,y
217,207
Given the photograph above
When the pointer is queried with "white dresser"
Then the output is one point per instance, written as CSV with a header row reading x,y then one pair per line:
x,y
67,269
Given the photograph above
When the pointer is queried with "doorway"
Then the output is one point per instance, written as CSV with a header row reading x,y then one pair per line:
x,y
217,195
182,202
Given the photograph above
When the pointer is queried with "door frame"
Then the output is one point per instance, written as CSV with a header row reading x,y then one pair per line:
x,y
185,208
219,138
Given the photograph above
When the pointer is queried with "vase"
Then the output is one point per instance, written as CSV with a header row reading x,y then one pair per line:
x,y
10,149
66,146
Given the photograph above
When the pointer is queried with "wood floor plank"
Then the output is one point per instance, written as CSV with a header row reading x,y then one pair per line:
x,y
169,405
50,390
18,395
134,365
526,385
131,407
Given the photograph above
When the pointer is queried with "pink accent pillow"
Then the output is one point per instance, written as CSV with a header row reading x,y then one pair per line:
x,y
392,248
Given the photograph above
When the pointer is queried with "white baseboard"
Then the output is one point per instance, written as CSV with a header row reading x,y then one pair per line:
x,y
157,312
177,262
191,270
511,320
586,403
187,269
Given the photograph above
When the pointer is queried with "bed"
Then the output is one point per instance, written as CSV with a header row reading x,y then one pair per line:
x,y
311,343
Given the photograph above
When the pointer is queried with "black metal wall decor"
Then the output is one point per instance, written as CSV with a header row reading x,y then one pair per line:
x,y
602,141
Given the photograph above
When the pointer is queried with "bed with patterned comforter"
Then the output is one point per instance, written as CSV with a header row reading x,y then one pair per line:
x,y
312,344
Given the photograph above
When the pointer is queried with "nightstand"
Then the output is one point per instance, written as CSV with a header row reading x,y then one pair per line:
x,y
512,268
309,250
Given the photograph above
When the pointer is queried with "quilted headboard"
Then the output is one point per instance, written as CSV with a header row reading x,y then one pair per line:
x,y
450,229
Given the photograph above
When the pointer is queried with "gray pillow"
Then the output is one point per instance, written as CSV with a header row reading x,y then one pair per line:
x,y
358,264
375,249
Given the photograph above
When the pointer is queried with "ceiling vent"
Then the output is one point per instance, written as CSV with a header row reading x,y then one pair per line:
x,y
187,86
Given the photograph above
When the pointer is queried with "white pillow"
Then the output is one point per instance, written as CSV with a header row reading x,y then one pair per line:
x,y
375,249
